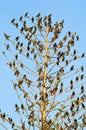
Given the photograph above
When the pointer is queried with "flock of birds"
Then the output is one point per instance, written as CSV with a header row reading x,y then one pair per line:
x,y
59,57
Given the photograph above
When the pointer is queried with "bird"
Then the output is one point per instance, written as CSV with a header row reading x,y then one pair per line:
x,y
17,38
77,37
38,15
83,106
82,89
49,15
12,21
77,78
83,55
61,23
69,33
66,62
26,14
32,19
74,52
26,28
82,76
82,68
6,36
20,19
7,46
16,24
72,67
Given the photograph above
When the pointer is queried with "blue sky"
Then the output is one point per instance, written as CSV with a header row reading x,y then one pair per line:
x,y
72,11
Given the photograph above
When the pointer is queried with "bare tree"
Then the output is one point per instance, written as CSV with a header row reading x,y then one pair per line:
x,y
49,85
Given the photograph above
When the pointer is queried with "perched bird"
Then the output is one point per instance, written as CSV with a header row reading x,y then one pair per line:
x,y
27,54
26,14
6,36
82,68
32,19
77,37
66,62
65,38
60,44
7,46
69,33
20,19
72,67
82,76
49,15
61,23
45,18
13,20
26,28
35,97
83,55
16,24
24,23
71,42
22,29
82,89
74,52
83,106
38,15
17,38
77,78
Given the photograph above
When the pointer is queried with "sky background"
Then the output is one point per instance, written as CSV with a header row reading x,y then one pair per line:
x,y
72,11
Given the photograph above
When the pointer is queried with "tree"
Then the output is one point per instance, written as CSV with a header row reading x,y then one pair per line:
x,y
53,88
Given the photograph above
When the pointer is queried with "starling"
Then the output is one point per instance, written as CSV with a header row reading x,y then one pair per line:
x,y
66,62
69,33
82,89
83,55
7,46
45,18
73,36
71,86
12,21
20,19
82,68
27,54
26,28
22,29
77,78
26,14
71,42
72,67
21,44
61,23
77,37
32,19
65,38
16,57
73,94
38,15
22,106
82,76
83,106
75,57
17,38
16,25
6,36
74,52
35,96
71,82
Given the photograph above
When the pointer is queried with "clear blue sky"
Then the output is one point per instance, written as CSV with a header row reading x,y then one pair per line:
x,y
72,11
